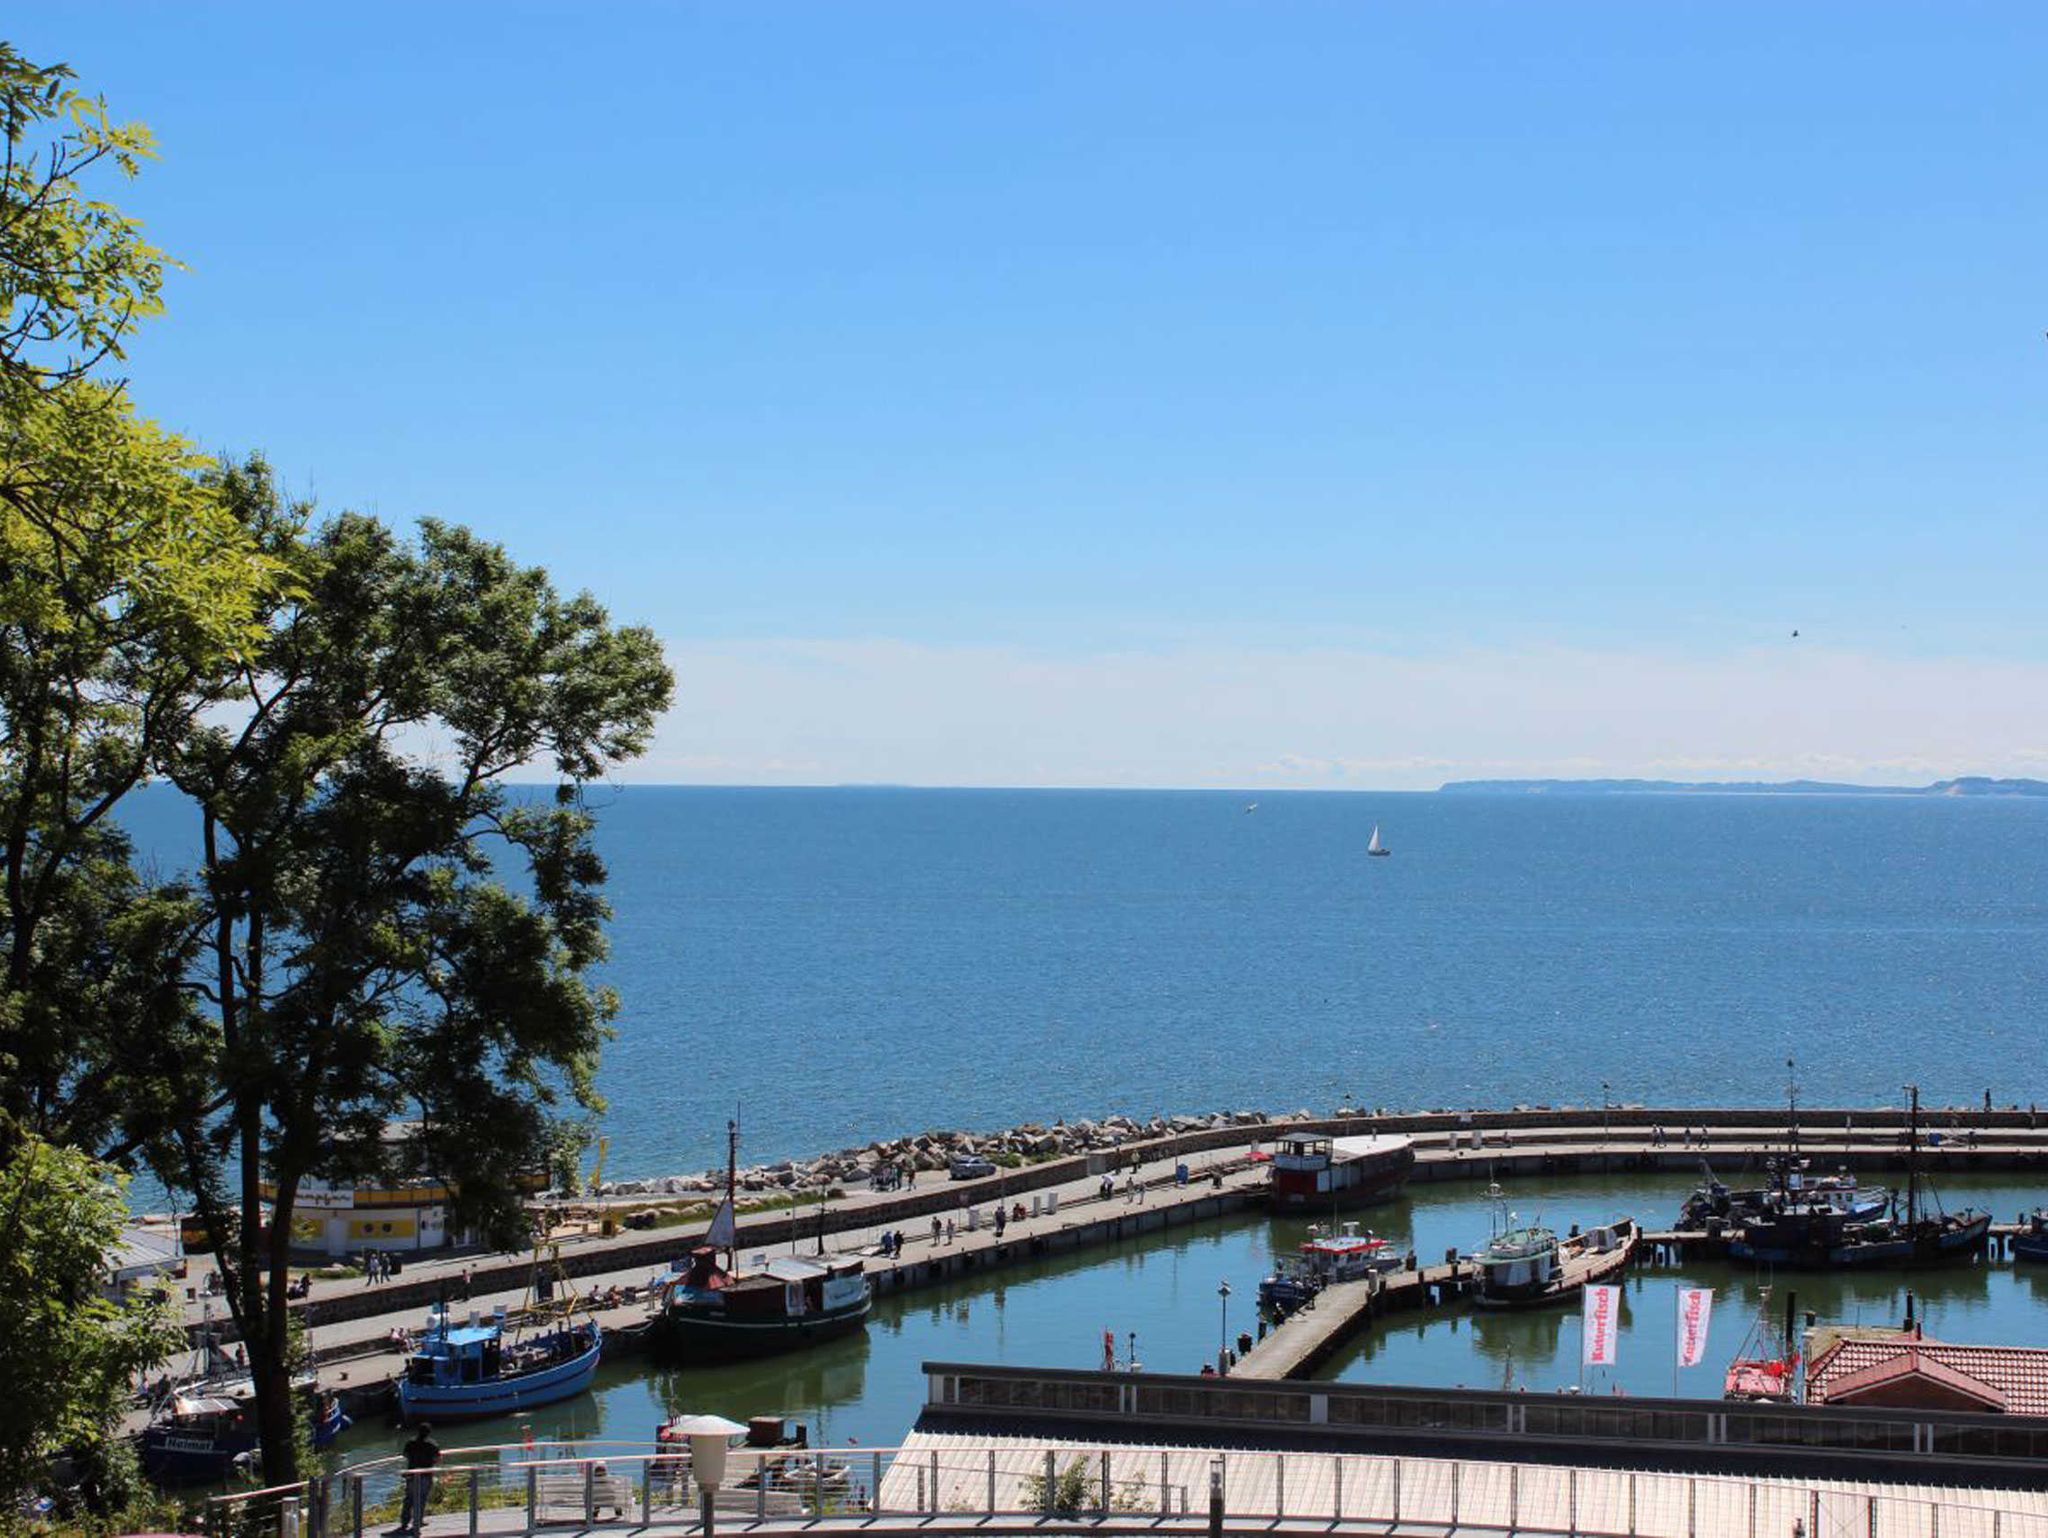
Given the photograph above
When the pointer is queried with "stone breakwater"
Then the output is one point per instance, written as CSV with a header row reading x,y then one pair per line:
x,y
1026,1143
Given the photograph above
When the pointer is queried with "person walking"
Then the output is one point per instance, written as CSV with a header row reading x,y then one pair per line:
x,y
422,1453
935,1228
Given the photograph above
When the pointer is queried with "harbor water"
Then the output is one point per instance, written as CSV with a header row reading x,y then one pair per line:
x,y
866,1390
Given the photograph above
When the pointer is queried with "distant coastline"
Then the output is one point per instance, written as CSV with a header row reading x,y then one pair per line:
x,y
1965,785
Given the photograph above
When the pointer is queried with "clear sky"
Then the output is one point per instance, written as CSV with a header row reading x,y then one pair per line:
x,y
1162,394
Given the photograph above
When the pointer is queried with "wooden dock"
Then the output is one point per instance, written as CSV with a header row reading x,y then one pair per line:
x,y
1307,1338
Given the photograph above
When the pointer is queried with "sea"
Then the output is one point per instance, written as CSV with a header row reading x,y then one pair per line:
x,y
835,966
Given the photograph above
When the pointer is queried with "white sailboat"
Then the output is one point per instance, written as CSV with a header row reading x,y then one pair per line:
x,y
1374,846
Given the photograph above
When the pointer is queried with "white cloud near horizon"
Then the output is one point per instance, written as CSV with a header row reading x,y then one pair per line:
x,y
807,712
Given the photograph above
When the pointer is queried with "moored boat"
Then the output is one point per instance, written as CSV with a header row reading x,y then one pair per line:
x,y
1346,1253
2031,1242
199,1437
1765,1368
1823,1235
470,1371
1529,1266
1310,1170
203,1428
713,1311
1289,1285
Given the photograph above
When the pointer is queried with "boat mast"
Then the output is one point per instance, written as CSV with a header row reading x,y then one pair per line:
x,y
1791,1111
732,1177
1912,1157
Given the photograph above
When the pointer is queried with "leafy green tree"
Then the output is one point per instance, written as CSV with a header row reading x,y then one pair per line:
x,y
68,1352
363,959
129,586
76,275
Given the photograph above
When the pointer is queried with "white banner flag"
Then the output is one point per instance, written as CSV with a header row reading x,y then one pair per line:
x,y
1695,1308
1602,1325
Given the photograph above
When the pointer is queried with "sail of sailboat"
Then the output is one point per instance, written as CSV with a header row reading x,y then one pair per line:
x,y
1374,846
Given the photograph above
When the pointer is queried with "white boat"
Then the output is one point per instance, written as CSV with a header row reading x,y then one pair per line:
x,y
1374,846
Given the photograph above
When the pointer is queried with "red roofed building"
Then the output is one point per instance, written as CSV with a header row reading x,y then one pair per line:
x,y
1904,1370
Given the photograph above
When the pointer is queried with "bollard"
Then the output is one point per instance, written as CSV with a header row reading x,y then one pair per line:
x,y
531,1475
355,1503
474,1475
646,1490
288,1517
1215,1498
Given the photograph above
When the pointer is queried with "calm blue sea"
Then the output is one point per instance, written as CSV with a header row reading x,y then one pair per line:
x,y
848,964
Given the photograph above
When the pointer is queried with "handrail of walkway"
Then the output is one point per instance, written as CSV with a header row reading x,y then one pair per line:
x,y
950,1481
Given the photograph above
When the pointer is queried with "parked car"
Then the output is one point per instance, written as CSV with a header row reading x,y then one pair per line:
x,y
970,1167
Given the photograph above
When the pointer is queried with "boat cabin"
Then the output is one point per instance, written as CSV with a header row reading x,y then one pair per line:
x,y
462,1354
1301,1166
1520,1260
791,1287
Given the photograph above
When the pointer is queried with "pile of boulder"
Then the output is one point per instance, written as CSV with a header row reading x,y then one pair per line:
x,y
1028,1143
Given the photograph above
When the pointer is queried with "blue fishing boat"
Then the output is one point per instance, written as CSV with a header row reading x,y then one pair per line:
x,y
468,1371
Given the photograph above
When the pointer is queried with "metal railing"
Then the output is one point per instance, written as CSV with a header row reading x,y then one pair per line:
x,y
523,1488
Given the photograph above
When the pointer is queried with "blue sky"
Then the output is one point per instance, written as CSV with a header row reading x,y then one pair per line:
x,y
1162,394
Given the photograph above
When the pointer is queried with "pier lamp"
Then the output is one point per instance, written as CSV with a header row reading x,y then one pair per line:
x,y
708,1447
1606,1109
1223,1339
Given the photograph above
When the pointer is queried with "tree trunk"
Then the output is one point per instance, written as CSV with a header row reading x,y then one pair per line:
x,y
276,1408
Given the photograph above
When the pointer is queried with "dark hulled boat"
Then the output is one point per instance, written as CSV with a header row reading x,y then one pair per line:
x,y
1817,1235
712,1311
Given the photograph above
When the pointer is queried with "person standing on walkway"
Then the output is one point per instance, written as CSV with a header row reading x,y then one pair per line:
x,y
421,1454
935,1228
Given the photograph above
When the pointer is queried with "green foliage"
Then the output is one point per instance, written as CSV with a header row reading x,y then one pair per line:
x,y
367,959
67,1352
1072,1491
378,928
76,276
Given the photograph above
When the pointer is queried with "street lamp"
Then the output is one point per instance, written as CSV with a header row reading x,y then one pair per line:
x,y
1606,1109
1223,1339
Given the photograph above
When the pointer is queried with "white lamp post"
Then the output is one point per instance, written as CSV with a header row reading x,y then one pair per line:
x,y
708,1436
1223,1342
